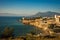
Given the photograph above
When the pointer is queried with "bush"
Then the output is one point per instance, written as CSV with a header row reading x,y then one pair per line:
x,y
8,32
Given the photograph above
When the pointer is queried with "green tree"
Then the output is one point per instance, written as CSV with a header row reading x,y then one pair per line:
x,y
51,26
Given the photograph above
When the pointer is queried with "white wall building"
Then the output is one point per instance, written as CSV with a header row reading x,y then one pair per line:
x,y
57,19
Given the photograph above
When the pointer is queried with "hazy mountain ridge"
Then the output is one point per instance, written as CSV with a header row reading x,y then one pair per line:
x,y
46,14
9,14
43,14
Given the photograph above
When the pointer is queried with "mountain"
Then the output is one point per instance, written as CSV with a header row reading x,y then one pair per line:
x,y
6,14
9,14
43,14
46,14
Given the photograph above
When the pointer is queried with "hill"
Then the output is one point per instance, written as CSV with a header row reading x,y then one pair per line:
x,y
46,14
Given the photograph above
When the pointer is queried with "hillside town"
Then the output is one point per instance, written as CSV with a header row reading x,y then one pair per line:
x,y
44,23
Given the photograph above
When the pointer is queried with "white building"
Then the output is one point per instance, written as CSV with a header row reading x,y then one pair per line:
x,y
57,19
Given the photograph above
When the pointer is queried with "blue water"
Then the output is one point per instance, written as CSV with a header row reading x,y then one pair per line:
x,y
19,28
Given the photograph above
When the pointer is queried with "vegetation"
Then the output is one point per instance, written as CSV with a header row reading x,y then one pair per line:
x,y
51,26
7,32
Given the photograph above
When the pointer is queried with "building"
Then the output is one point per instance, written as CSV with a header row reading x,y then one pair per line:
x,y
57,19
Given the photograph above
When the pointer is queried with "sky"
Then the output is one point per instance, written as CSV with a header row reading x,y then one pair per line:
x,y
28,7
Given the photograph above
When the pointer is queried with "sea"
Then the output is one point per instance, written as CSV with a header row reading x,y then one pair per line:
x,y
20,29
